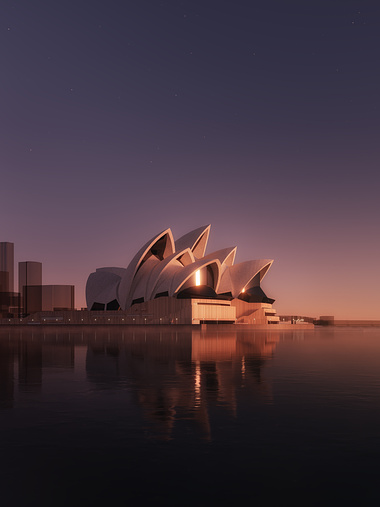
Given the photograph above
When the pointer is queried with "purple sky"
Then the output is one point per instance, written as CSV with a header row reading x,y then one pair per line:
x,y
122,118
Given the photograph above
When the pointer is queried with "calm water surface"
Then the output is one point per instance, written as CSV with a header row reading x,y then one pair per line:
x,y
92,416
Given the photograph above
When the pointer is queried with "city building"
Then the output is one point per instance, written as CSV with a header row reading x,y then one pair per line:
x,y
57,298
175,282
9,300
33,297
36,297
30,286
6,267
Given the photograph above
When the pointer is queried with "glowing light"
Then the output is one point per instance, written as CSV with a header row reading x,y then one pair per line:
x,y
243,289
197,277
197,385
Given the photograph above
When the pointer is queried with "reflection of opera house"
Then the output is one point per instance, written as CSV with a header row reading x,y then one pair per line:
x,y
175,282
180,378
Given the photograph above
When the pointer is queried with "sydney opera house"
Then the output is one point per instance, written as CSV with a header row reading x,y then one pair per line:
x,y
171,281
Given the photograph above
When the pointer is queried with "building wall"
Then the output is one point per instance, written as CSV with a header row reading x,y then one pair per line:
x,y
206,310
7,266
31,300
57,297
7,296
29,273
9,304
29,283
167,310
4,281
254,313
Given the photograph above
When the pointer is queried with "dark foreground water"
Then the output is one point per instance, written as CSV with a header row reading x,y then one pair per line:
x,y
114,417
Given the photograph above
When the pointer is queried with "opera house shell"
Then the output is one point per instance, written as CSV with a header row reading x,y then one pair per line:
x,y
171,281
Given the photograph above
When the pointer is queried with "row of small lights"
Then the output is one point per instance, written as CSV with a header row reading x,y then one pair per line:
x,y
94,320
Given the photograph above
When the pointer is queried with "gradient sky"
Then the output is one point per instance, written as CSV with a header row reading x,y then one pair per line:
x,y
122,118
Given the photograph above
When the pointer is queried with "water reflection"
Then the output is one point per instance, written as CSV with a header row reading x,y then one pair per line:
x,y
178,376
173,375
146,416
6,375
25,356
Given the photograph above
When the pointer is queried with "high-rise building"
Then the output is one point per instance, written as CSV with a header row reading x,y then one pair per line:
x,y
6,266
37,297
30,286
9,301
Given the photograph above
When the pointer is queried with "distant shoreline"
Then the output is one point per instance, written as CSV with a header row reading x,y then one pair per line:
x,y
354,323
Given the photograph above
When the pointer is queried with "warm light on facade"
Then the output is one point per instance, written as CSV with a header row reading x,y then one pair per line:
x,y
243,289
197,278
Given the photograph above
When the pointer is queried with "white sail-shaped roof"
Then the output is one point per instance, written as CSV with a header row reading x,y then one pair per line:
x,y
160,274
237,277
126,282
196,240
182,276
101,287
226,256
139,283
162,267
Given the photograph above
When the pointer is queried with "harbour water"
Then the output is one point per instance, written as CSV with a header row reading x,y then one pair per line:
x,y
171,416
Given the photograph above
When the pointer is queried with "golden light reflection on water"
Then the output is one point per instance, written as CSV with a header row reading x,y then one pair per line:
x,y
197,384
177,374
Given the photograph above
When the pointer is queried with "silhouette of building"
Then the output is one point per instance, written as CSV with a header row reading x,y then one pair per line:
x,y
37,297
30,286
9,300
57,297
6,267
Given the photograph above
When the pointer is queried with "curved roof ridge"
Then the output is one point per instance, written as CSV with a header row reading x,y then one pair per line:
x,y
239,275
157,273
196,240
133,266
224,255
116,271
101,287
180,278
